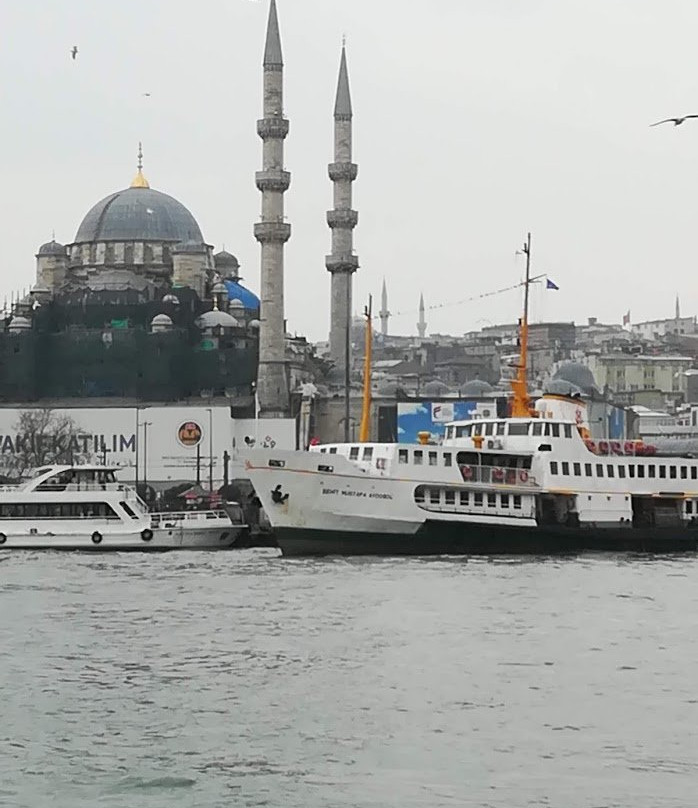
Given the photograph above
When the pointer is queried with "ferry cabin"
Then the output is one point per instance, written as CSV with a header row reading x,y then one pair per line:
x,y
541,469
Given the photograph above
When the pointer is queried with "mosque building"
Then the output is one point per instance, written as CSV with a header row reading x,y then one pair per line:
x,y
138,307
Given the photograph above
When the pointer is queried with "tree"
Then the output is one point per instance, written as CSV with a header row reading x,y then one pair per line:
x,y
43,437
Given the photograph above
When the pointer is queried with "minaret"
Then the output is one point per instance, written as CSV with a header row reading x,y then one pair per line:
x,y
678,309
384,314
422,324
272,232
342,263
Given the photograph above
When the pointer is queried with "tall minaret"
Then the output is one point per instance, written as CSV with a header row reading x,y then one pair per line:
x,y
272,232
342,263
384,314
678,308
422,324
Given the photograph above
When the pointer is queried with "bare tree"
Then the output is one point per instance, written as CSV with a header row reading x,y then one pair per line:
x,y
43,437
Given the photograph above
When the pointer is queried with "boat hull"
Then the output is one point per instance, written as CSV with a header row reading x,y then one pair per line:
x,y
438,538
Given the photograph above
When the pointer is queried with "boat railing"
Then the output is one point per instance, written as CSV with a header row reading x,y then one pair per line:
x,y
497,475
50,487
187,516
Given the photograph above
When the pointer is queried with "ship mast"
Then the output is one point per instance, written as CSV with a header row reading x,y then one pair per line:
x,y
521,403
365,428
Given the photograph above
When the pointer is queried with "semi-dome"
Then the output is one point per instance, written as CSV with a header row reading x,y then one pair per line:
x,y
561,387
237,291
52,248
475,387
138,214
216,319
580,375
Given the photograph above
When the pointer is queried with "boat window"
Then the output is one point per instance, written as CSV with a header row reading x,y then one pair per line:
x,y
517,501
587,469
694,472
489,428
547,431
402,455
418,457
450,497
599,469
577,468
464,431
504,500
434,496
448,460
518,428
477,429
537,428
464,497
621,471
128,510
433,459
354,453
610,471
477,500
651,470
672,472
449,432
565,468
568,430
689,506
553,467
333,450
323,467
501,427
640,470
555,428
662,472
491,500
368,453
419,494
323,450
631,470
684,472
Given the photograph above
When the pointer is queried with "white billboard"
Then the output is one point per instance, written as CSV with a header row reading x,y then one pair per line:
x,y
162,445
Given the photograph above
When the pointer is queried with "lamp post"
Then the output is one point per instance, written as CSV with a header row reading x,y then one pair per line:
x,y
210,449
145,426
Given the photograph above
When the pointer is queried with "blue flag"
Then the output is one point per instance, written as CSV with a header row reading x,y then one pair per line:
x,y
550,285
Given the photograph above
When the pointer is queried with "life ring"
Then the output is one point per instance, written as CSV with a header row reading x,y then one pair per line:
x,y
96,537
498,475
523,476
146,534
467,472
3,538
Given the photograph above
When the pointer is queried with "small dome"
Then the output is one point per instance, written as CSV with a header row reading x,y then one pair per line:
x,y
19,323
40,290
561,387
238,292
219,289
226,260
389,388
52,248
436,388
161,322
254,324
190,246
237,308
577,374
216,319
171,299
475,387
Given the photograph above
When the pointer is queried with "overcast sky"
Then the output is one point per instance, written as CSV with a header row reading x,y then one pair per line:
x,y
474,121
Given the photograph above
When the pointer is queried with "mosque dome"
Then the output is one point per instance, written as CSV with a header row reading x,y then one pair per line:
x,y
225,260
216,319
561,387
138,213
436,388
52,248
19,323
219,289
237,291
255,324
170,298
475,387
577,374
161,322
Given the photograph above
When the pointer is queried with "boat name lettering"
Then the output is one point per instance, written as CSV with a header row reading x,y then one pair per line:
x,y
349,493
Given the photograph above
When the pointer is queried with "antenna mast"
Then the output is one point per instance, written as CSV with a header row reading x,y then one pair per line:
x,y
521,404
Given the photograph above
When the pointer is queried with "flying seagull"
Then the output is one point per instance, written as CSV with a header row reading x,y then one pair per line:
x,y
147,95
675,121
74,52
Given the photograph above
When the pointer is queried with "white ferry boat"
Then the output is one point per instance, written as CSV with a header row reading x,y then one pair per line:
x,y
86,508
534,482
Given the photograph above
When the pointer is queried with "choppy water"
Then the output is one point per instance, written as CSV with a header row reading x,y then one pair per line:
x,y
242,679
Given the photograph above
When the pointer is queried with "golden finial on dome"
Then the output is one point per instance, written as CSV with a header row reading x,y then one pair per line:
x,y
139,181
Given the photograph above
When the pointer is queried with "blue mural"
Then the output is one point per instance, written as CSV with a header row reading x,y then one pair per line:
x,y
429,416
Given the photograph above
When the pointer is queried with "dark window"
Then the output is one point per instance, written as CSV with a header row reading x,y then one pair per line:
x,y
565,468
402,455
325,468
354,453
477,500
651,469
672,472
662,472
463,431
491,500
517,501
464,497
587,469
577,467
518,428
610,471
433,458
553,467
501,427
694,472
536,428
418,457
419,494
434,496
568,430
477,429
450,497
555,430
599,469
448,460
631,470
684,472
368,453
489,428
621,471
504,500
128,510
640,470
689,506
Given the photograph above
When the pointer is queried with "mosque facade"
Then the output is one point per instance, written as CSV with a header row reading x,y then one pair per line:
x,y
138,307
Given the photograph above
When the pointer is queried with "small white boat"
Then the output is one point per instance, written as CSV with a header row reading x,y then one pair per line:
x,y
86,508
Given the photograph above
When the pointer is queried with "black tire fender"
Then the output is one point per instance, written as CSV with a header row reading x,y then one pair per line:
x,y
3,538
96,537
146,534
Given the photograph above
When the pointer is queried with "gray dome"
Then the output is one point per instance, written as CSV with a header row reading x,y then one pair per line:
x,y
560,387
475,387
170,298
52,248
578,374
254,324
436,388
19,323
219,289
389,388
224,259
161,322
138,214
216,318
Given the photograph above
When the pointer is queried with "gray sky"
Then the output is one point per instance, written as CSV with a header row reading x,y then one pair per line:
x,y
474,121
